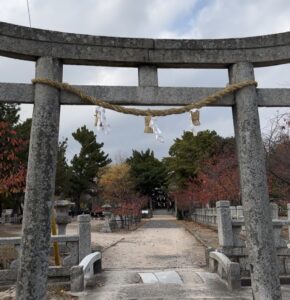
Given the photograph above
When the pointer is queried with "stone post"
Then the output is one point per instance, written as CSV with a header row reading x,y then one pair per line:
x,y
254,190
240,212
224,221
40,183
77,280
274,211
147,76
233,212
288,214
85,236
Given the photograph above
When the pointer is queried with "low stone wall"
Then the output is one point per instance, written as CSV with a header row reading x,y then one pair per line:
x,y
72,250
234,247
208,216
205,216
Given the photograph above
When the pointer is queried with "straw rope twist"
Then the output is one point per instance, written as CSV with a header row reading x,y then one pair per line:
x,y
145,112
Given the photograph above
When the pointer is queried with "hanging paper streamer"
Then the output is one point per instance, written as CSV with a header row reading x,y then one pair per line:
x,y
147,128
156,130
101,120
194,117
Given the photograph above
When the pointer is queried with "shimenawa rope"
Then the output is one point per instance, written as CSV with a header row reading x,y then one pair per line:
x,y
145,112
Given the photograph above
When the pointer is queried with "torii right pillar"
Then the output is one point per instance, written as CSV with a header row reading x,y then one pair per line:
x,y
254,190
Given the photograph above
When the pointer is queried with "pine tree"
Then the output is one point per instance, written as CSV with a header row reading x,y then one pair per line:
x,y
148,171
86,165
63,171
9,113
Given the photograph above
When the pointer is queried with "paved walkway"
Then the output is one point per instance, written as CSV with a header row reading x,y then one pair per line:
x,y
161,244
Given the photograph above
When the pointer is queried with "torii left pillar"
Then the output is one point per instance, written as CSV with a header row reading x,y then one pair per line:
x,y
40,184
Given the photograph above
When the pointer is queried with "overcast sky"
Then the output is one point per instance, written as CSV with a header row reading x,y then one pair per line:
x,y
193,19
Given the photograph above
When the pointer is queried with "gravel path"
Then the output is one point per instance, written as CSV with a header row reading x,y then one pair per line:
x,y
160,243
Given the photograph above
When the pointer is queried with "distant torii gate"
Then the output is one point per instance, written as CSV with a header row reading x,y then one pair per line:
x,y
51,50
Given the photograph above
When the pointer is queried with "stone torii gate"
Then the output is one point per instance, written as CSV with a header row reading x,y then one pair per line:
x,y
50,50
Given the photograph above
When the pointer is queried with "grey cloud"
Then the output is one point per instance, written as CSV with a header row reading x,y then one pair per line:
x,y
149,18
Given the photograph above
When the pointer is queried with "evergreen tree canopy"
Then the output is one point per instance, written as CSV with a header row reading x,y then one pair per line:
x,y
63,172
86,165
147,170
188,152
9,113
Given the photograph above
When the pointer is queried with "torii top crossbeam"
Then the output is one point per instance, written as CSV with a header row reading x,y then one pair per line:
x,y
147,55
77,49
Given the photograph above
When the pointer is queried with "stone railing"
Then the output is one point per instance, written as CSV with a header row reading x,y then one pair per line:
x,y
205,216
233,245
7,217
227,270
73,248
208,216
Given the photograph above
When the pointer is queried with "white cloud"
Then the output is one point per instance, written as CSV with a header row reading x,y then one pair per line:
x,y
148,18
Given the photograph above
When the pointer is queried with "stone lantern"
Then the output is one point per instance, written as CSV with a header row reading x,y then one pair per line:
x,y
62,217
107,213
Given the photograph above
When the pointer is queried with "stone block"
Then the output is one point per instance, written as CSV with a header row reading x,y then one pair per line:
x,y
240,212
147,76
76,279
274,211
237,242
278,240
226,269
233,212
281,265
234,277
92,265
288,214
224,221
212,265
84,235
206,252
287,265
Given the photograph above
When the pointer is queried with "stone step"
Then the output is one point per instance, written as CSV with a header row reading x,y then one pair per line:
x,y
195,284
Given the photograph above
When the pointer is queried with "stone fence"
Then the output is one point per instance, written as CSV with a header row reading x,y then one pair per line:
x,y
233,245
208,216
8,217
73,248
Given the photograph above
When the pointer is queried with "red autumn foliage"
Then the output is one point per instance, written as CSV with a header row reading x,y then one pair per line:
x,y
185,198
277,146
12,169
131,207
279,170
218,180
